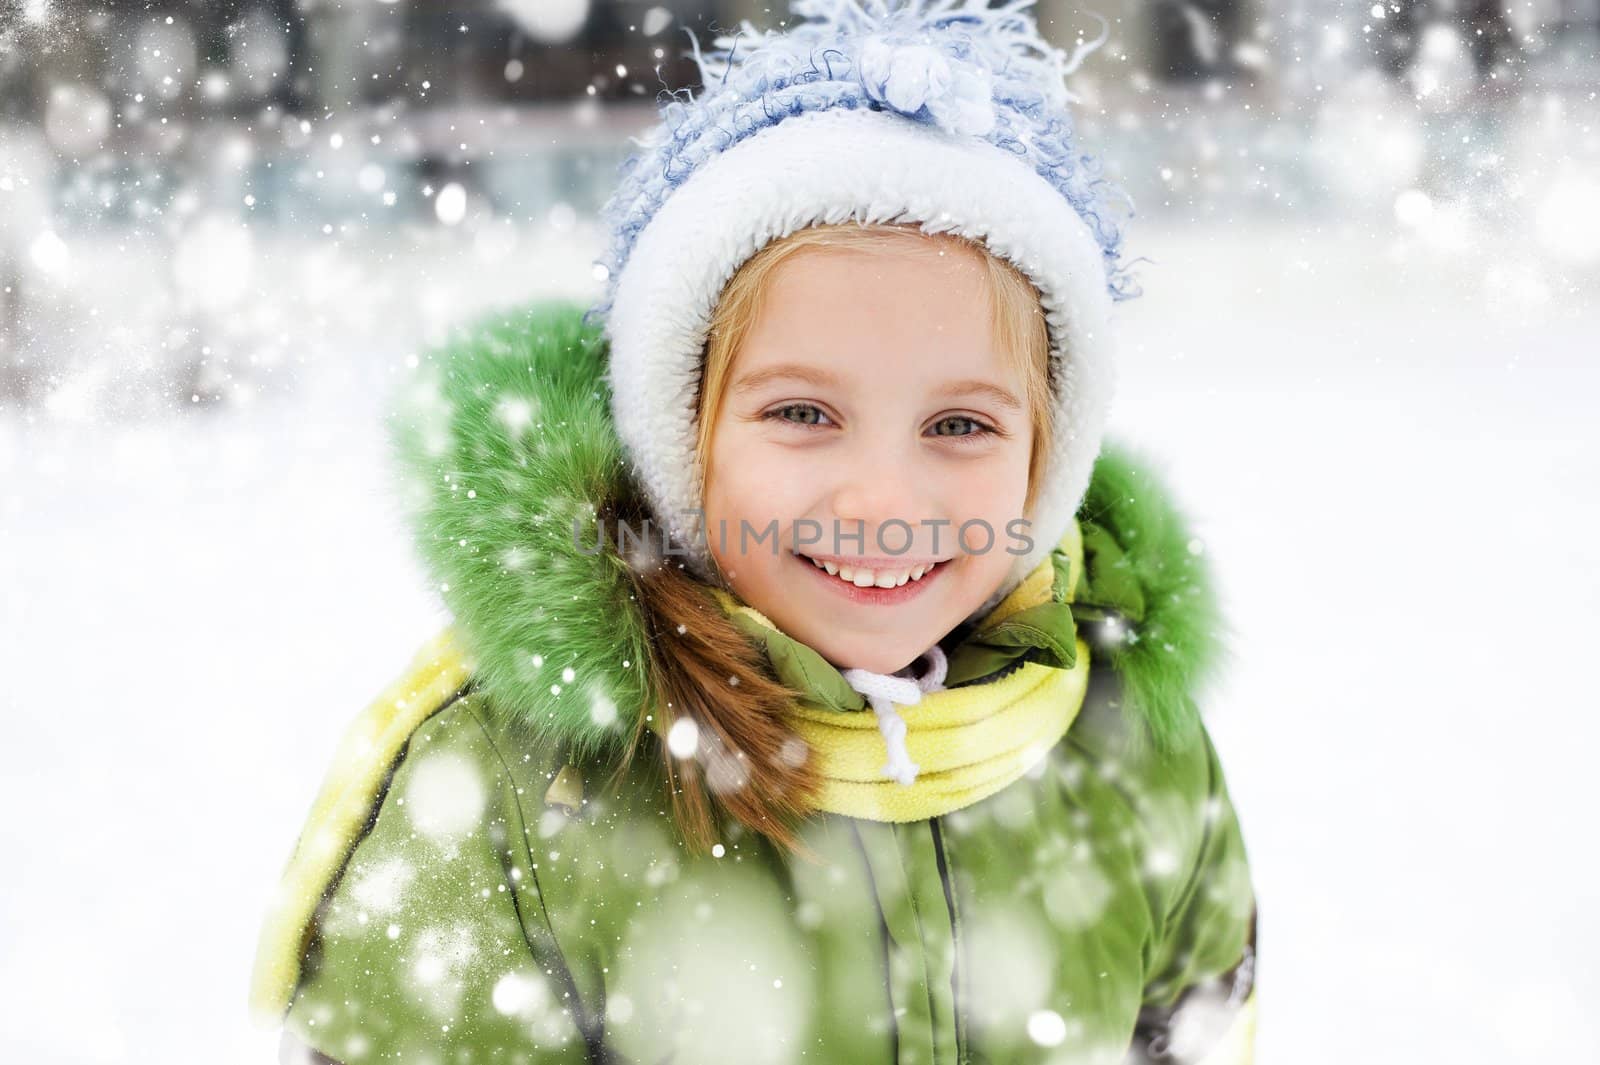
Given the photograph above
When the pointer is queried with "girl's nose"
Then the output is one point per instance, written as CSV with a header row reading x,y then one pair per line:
x,y
875,493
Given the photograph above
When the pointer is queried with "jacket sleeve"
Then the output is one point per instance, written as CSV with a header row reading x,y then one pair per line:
x,y
1200,995
433,943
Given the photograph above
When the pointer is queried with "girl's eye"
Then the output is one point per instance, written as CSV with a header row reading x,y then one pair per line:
x,y
978,430
801,409
810,416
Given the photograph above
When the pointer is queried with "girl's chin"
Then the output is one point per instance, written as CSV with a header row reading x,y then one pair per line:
x,y
874,665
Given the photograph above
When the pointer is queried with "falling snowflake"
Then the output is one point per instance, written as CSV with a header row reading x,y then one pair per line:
x,y
379,886
445,796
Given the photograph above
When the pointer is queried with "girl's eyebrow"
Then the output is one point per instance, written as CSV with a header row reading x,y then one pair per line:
x,y
809,374
977,387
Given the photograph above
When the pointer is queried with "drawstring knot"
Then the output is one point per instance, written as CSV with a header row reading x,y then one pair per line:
x,y
883,691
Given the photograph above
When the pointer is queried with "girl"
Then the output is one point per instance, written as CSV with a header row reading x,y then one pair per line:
x,y
819,686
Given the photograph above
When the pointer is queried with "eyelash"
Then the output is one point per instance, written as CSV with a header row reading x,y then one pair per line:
x,y
981,431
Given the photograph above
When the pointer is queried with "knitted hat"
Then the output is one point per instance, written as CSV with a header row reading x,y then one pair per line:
x,y
944,113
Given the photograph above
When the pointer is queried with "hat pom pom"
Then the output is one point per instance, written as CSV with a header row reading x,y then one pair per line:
x,y
910,77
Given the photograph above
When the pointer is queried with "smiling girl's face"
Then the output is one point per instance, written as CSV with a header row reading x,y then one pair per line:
x,y
869,392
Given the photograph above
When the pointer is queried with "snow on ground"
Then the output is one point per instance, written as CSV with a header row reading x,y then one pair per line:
x,y
1389,461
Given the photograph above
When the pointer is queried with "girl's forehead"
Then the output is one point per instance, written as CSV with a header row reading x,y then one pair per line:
x,y
915,316
914,363
912,267
852,308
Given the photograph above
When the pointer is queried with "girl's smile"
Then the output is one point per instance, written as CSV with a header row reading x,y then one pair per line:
x,y
873,581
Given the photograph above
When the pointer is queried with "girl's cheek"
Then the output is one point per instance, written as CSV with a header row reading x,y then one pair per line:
x,y
751,463
756,481
990,486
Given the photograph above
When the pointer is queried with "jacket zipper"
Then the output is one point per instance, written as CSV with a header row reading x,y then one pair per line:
x,y
955,940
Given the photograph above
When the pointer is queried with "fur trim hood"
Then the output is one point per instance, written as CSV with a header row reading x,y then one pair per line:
x,y
507,458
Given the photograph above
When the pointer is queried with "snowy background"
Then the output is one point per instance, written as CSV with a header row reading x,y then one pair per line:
x,y
1366,355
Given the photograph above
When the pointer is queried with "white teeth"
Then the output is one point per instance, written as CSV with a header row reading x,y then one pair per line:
x,y
867,578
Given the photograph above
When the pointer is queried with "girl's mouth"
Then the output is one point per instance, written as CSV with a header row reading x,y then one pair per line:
x,y
877,586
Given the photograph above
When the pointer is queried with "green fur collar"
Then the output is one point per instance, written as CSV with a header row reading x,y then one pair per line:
x,y
504,440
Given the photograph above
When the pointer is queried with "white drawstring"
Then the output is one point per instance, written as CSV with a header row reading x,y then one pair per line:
x,y
883,691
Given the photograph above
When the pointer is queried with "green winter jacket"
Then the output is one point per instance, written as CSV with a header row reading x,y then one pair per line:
x,y
470,888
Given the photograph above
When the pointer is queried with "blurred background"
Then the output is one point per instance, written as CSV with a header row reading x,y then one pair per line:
x,y
1365,356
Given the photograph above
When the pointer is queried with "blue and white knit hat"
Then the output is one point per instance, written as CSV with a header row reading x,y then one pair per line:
x,y
945,113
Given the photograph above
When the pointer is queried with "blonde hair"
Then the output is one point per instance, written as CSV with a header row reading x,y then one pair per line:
x,y
702,668
1016,320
